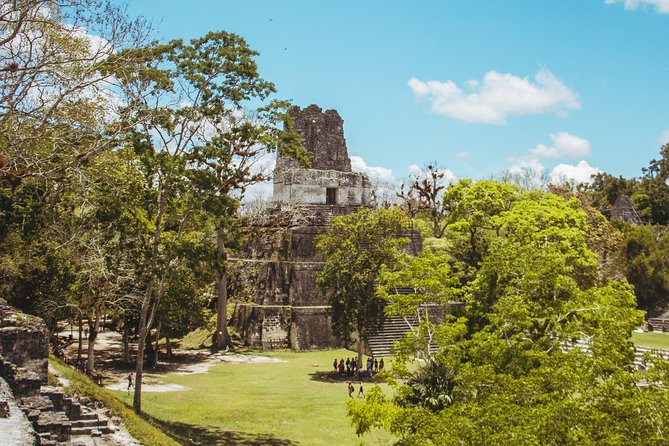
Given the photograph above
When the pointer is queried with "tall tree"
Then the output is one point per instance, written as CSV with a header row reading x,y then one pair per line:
x,y
355,248
197,146
57,106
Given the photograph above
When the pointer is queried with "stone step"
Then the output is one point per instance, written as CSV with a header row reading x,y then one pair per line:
x,y
87,414
94,422
90,430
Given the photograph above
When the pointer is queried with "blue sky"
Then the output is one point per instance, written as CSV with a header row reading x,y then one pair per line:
x,y
568,86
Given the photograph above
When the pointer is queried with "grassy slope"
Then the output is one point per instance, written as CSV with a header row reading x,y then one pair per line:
x,y
266,403
652,340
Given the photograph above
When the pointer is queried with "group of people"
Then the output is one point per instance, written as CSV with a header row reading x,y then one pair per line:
x,y
350,367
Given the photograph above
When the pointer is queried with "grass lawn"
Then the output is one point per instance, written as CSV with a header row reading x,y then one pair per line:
x,y
651,339
260,404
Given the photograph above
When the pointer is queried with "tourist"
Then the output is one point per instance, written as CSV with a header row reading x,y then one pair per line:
x,y
350,390
381,365
360,391
334,365
341,367
130,384
370,363
348,366
376,365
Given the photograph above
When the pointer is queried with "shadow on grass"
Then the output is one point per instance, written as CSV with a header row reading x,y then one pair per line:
x,y
332,377
195,435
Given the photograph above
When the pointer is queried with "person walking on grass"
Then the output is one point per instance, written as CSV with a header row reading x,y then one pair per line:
x,y
130,383
350,390
360,391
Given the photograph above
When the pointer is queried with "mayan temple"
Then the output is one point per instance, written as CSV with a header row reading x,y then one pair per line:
x,y
276,276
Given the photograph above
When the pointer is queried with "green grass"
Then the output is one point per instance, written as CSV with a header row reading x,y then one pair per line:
x,y
139,427
651,339
260,403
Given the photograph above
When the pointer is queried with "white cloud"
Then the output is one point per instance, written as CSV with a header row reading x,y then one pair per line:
x,y
579,173
376,174
527,165
462,155
497,97
661,6
415,170
565,145
663,138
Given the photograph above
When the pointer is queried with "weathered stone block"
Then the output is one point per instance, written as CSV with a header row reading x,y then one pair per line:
x,y
311,329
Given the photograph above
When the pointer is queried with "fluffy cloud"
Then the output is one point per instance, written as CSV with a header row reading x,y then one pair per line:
x,y
523,166
579,173
415,170
664,138
564,145
497,97
661,6
376,174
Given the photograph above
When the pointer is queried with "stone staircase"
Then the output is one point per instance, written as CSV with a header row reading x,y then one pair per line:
x,y
382,343
57,417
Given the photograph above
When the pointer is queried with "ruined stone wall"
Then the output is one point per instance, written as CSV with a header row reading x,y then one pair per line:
x,y
279,304
24,350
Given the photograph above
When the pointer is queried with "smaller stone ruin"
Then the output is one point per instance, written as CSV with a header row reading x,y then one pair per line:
x,y
36,413
624,210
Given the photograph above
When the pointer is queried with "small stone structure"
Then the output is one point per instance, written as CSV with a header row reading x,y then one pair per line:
x,y
281,305
623,209
24,353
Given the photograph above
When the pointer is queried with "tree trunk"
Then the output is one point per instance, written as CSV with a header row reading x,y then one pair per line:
x,y
360,344
168,346
155,349
222,337
360,347
93,327
139,362
79,347
126,342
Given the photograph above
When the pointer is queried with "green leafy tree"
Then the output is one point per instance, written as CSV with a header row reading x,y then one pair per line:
x,y
355,247
510,369
472,208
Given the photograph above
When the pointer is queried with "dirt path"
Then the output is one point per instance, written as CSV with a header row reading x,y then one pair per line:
x,y
114,370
